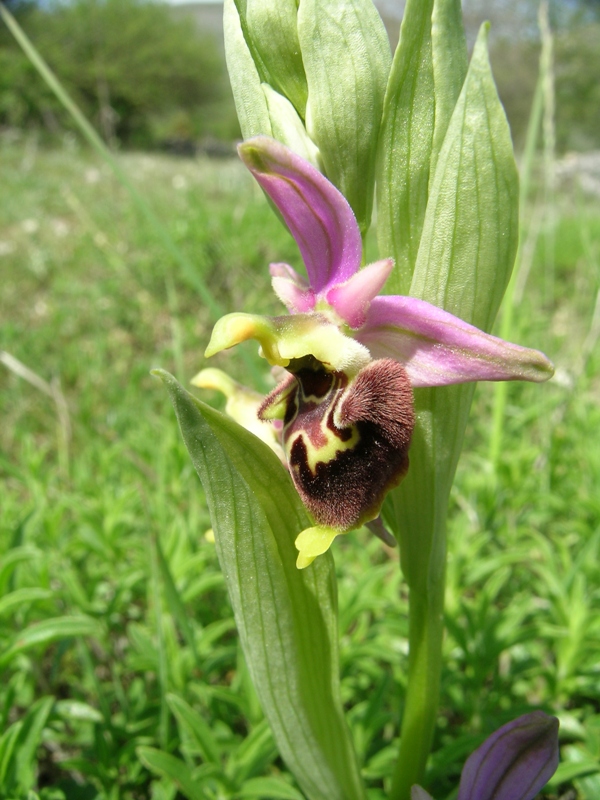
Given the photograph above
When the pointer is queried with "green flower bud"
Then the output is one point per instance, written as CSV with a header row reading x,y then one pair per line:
x,y
288,128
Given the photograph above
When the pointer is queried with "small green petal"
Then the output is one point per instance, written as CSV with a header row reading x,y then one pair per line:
x,y
313,542
242,405
285,339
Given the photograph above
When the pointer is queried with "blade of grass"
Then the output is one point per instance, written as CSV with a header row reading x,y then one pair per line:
x,y
163,667
174,601
53,391
94,139
510,298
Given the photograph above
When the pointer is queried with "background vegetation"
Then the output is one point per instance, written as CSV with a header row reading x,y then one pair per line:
x,y
120,670
118,650
139,74
147,77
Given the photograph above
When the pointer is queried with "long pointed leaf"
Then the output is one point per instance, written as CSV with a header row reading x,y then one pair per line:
x,y
427,74
287,618
465,256
175,769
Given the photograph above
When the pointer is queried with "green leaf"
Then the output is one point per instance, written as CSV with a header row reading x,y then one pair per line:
x,y
10,561
449,60
76,710
286,618
174,601
7,746
465,256
272,26
21,596
250,102
23,765
254,754
275,788
50,630
288,128
197,729
470,232
405,145
346,56
427,74
173,768
569,770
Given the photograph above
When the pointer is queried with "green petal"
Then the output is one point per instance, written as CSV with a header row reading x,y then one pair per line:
x,y
284,339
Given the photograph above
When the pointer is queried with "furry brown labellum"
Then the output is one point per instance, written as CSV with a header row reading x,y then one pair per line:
x,y
346,440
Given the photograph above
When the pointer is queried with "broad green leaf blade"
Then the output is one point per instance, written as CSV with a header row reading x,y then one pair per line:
x,y
250,102
272,25
449,60
470,233
466,253
175,769
427,74
405,145
197,728
347,59
287,618
49,630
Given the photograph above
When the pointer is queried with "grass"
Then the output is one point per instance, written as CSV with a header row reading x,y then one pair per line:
x,y
117,646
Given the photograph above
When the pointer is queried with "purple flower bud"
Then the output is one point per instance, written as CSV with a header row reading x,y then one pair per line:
x,y
515,762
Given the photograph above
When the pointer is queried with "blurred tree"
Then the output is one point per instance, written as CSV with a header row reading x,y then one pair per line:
x,y
128,63
577,60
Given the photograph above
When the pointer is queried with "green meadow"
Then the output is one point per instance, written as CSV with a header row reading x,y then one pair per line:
x,y
121,674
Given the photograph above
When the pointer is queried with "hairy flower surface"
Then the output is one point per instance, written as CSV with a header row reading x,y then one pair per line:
x,y
346,410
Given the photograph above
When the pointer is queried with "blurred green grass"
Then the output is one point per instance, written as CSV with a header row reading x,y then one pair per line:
x,y
111,600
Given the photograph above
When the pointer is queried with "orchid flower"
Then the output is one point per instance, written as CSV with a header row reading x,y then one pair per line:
x,y
352,357
514,763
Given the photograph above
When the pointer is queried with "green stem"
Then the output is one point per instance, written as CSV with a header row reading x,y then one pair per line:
x,y
426,631
421,508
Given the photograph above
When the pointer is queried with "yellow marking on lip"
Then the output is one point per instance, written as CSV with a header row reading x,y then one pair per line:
x,y
326,453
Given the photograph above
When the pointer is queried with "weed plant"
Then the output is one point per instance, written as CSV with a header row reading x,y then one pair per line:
x,y
121,673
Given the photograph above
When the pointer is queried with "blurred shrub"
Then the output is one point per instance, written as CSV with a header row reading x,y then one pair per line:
x,y
578,88
577,83
130,65
515,64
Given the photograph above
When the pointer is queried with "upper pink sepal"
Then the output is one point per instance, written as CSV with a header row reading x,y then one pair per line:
x,y
317,214
438,349
351,299
292,289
